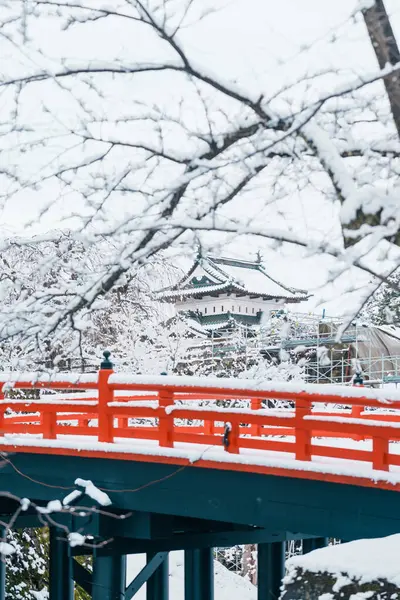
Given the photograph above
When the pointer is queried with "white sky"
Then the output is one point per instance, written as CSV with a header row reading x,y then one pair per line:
x,y
261,45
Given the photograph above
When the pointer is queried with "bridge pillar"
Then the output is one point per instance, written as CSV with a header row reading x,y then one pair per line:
x,y
109,577
314,544
61,583
199,574
157,587
270,570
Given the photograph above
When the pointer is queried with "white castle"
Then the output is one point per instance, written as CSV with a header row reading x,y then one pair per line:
x,y
218,293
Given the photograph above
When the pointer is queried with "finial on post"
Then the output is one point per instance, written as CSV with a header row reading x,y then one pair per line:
x,y
199,251
106,363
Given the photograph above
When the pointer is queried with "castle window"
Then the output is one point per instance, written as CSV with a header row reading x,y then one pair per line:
x,y
252,310
233,309
239,308
246,309
205,310
222,309
213,308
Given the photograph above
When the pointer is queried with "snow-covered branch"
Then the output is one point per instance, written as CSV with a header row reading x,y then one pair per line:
x,y
183,154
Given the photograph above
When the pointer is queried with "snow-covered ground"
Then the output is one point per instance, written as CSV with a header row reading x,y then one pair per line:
x,y
227,585
364,560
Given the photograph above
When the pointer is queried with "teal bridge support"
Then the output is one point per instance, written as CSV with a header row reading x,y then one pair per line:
x,y
61,582
107,581
314,544
270,570
199,574
109,577
158,508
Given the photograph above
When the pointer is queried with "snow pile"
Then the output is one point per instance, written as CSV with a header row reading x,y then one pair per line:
x,y
227,585
93,492
41,595
52,506
6,549
76,539
362,560
90,490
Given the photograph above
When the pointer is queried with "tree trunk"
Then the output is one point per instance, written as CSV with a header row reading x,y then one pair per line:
x,y
387,52
250,563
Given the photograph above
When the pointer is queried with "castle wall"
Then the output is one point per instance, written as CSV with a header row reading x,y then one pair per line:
x,y
228,303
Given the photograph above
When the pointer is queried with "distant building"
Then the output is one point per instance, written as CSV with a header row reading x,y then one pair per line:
x,y
218,294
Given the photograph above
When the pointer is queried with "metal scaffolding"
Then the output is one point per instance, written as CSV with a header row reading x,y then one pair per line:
x,y
333,352
329,351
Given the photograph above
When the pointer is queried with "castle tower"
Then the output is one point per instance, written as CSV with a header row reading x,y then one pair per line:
x,y
218,293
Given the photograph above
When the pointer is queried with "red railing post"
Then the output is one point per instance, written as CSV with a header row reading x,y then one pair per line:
x,y
356,410
256,404
209,427
123,422
380,451
49,422
106,395
231,437
234,439
303,436
2,413
165,421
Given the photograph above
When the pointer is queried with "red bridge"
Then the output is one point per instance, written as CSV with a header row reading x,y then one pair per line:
x,y
193,463
341,434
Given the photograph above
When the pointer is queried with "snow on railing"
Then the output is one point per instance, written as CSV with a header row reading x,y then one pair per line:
x,y
108,407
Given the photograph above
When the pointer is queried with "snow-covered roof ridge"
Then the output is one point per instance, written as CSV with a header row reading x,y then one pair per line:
x,y
239,275
171,292
193,324
212,269
286,287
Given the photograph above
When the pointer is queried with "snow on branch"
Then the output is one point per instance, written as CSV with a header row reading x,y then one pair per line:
x,y
93,492
180,157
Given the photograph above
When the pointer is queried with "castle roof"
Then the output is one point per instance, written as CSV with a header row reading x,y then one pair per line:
x,y
229,275
221,321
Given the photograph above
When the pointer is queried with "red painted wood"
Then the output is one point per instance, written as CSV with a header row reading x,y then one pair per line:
x,y
228,394
255,429
303,434
2,409
106,395
166,421
49,425
208,464
256,404
234,439
380,452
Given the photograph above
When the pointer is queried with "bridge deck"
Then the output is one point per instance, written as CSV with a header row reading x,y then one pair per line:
x,y
190,464
326,468
345,435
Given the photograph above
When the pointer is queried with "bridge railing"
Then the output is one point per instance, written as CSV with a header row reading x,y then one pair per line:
x,y
108,408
